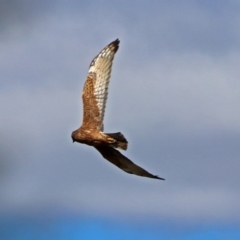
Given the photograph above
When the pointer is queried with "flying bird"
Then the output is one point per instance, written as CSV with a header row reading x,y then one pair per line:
x,y
94,96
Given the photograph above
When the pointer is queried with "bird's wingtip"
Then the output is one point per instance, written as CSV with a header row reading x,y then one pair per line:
x,y
117,41
157,177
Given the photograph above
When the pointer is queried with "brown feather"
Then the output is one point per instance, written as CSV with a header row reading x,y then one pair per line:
x,y
94,98
116,158
91,114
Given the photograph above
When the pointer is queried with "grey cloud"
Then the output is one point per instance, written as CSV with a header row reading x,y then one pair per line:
x,y
178,109
192,26
11,11
17,17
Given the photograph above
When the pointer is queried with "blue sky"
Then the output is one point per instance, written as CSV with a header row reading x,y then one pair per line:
x,y
75,227
174,94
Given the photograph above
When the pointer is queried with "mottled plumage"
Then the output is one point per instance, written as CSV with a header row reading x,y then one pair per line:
x,y
95,93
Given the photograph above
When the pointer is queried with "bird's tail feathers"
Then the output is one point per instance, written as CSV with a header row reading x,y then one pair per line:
x,y
121,143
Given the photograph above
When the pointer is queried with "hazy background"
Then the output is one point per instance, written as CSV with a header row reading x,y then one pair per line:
x,y
174,93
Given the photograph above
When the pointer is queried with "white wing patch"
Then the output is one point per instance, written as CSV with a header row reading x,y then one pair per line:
x,y
102,66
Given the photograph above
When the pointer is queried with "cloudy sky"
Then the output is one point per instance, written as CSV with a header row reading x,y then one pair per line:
x,y
174,93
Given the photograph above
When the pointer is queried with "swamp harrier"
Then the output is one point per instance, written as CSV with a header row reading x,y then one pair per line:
x,y
94,98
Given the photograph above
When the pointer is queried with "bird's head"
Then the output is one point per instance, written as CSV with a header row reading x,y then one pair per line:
x,y
73,138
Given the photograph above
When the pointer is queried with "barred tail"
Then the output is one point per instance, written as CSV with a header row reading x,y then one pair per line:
x,y
121,143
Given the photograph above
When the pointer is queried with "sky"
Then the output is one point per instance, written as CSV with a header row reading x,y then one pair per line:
x,y
174,94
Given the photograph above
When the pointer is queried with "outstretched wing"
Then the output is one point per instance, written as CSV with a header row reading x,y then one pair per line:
x,y
116,158
95,90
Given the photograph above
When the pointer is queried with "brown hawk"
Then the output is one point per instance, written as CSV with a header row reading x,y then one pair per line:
x,y
94,97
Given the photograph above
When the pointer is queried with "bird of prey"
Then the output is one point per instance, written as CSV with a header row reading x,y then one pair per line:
x,y
94,98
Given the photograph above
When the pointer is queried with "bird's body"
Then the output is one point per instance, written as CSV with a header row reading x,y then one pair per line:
x,y
94,97
94,137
